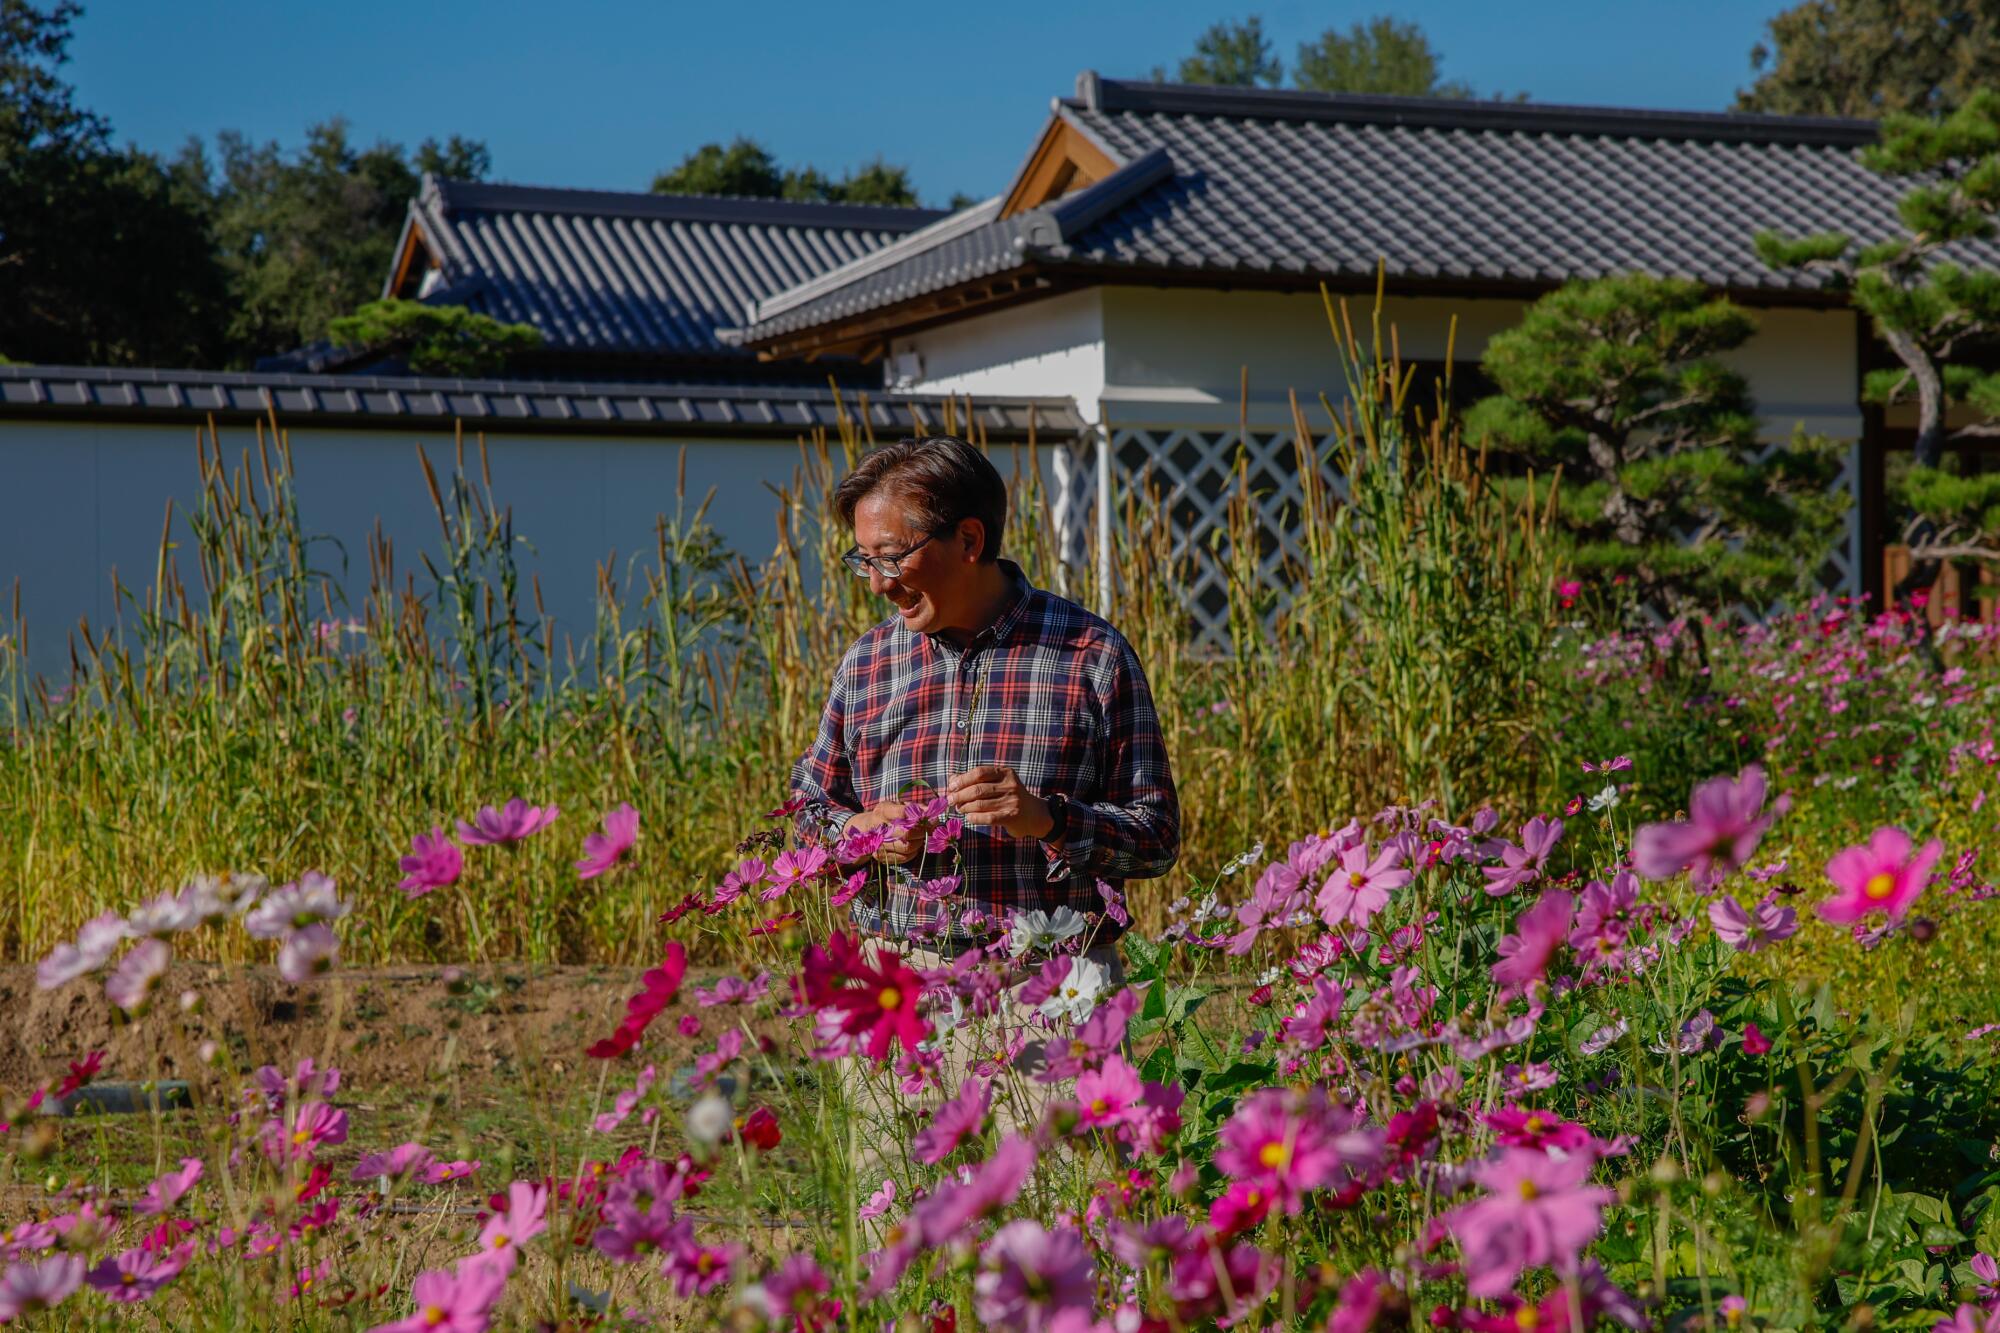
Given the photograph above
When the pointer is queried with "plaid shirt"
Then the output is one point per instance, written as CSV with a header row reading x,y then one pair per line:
x,y
1048,690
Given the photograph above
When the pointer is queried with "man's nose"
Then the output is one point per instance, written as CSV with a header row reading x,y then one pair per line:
x,y
878,584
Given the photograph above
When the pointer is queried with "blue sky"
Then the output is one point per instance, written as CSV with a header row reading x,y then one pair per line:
x,y
603,93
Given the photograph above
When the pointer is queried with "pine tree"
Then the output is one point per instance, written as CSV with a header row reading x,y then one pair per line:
x,y
1874,57
1615,383
1934,314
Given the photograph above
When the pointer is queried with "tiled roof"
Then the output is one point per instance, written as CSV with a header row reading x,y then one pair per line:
x,y
1229,185
544,408
606,272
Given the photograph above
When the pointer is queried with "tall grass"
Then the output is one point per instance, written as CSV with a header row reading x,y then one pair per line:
x,y
259,721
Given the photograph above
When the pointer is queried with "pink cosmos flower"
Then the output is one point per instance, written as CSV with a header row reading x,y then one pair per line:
x,y
1523,864
1279,895
94,942
1519,1127
137,1273
1754,1040
1538,1210
880,1201
308,953
1312,1026
434,862
130,985
1751,933
1288,1142
939,1218
793,868
734,990
293,907
1029,1275
1538,932
29,1286
523,1219
1726,820
1139,1245
511,823
626,1102
1360,888
953,1123
437,1173
405,1159
1111,1096
749,873
1882,875
314,1125
1969,1319
167,1191
601,851
458,1300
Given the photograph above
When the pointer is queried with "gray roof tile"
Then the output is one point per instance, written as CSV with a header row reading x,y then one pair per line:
x,y
1316,185
554,407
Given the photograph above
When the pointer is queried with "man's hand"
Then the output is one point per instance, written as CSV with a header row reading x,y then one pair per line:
x,y
898,847
993,796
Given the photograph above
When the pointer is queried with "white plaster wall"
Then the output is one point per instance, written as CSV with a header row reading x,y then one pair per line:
x,y
1056,344
1801,368
78,499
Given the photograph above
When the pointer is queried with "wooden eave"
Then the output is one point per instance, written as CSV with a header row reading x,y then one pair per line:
x,y
866,334
406,261
1065,160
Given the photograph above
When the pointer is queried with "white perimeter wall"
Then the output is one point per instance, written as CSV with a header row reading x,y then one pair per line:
x,y
78,499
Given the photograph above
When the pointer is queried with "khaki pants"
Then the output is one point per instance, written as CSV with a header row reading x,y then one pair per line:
x,y
884,1117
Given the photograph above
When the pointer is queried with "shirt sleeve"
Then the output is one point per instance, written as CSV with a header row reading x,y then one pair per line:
x,y
823,776
1132,829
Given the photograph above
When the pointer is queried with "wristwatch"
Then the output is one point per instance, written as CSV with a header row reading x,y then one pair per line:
x,y
1058,815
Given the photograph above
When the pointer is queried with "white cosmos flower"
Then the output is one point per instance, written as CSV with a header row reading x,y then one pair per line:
x,y
1604,800
1043,930
1077,995
709,1120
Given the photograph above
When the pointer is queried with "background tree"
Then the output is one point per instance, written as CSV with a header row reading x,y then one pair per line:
x,y
749,170
1230,55
104,257
1379,56
1933,313
1614,381
1874,57
305,237
435,339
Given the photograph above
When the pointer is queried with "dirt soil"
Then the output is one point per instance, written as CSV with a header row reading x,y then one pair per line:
x,y
385,1026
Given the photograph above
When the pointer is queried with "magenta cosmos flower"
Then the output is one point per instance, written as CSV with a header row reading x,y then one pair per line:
x,y
1285,1143
1538,1210
1880,876
167,1191
601,851
1538,932
136,1274
1523,864
523,1219
433,863
1726,820
953,1123
405,1159
511,823
1359,888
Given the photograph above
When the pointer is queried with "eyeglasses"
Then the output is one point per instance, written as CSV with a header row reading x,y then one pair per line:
x,y
888,566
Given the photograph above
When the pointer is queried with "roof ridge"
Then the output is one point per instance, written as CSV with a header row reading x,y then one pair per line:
x,y
945,229
1114,95
493,196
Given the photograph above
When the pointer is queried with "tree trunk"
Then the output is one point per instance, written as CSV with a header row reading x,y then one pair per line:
x,y
1923,574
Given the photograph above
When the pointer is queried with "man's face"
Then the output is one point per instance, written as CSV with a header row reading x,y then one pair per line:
x,y
931,592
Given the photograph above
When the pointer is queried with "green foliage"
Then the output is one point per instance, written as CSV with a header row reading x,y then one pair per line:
x,y
1382,55
435,339
1874,57
103,254
1231,54
1614,382
745,168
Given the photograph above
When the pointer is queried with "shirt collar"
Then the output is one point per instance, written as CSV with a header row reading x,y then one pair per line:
x,y
1021,592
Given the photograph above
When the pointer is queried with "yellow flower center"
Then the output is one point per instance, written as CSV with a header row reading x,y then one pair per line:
x,y
1357,879
434,1315
1099,1106
1528,1191
1534,1124
1526,1318
128,1278
500,1240
1078,1049
301,1135
1880,885
1274,1155
890,998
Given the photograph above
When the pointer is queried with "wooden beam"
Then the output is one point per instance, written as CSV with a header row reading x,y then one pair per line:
x,y
854,336
1064,160
405,261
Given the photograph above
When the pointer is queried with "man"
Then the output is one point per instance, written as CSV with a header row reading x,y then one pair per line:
x,y
1027,713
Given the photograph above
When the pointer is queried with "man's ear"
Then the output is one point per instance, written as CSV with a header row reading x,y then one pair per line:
x,y
971,538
